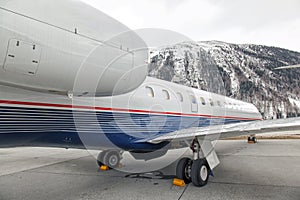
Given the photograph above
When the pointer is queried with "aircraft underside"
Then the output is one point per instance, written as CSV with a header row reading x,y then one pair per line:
x,y
22,126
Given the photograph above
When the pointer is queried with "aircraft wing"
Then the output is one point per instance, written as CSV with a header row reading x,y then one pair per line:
x,y
215,132
287,67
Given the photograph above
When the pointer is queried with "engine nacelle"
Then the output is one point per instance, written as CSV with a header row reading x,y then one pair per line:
x,y
68,47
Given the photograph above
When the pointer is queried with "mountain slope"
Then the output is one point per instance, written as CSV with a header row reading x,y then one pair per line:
x,y
243,72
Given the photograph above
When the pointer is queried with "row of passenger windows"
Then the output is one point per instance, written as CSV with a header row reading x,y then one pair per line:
x,y
166,96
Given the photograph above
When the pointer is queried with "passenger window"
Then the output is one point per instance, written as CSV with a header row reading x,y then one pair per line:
x,y
150,91
166,94
202,101
211,102
180,97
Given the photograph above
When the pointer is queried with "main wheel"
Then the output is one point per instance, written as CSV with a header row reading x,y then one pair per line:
x,y
112,159
252,139
249,139
100,158
183,170
200,172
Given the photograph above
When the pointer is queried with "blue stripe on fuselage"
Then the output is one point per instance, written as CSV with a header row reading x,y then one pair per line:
x,y
67,128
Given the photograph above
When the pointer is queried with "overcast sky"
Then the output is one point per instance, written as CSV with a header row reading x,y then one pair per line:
x,y
268,22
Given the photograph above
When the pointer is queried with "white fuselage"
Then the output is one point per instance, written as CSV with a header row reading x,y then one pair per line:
x,y
157,107
53,61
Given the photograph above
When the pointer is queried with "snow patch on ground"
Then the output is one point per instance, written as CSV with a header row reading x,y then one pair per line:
x,y
295,102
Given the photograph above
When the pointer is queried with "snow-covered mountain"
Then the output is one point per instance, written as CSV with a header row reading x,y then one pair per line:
x,y
244,72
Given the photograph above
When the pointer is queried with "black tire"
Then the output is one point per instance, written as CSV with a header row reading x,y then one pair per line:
x,y
112,159
200,172
183,169
254,139
100,158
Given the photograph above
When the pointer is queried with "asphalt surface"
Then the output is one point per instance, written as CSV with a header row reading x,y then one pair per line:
x,y
267,170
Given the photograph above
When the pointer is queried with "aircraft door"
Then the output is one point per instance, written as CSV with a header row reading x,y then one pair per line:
x,y
194,104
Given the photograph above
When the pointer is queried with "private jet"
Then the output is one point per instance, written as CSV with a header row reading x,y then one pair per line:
x,y
73,77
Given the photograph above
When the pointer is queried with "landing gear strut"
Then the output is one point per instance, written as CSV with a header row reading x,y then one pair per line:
x,y
197,170
110,158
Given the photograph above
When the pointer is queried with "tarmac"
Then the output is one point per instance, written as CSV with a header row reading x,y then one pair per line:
x,y
266,170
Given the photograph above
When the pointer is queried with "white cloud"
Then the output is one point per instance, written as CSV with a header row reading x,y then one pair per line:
x,y
269,22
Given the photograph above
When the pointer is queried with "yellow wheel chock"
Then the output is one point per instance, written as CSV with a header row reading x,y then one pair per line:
x,y
104,168
178,182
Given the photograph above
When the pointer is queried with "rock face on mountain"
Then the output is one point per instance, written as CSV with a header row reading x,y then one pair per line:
x,y
244,72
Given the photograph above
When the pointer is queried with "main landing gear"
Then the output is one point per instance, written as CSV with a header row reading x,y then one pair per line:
x,y
197,170
109,158
252,139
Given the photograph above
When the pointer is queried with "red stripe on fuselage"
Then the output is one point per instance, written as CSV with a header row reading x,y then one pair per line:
x,y
117,109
